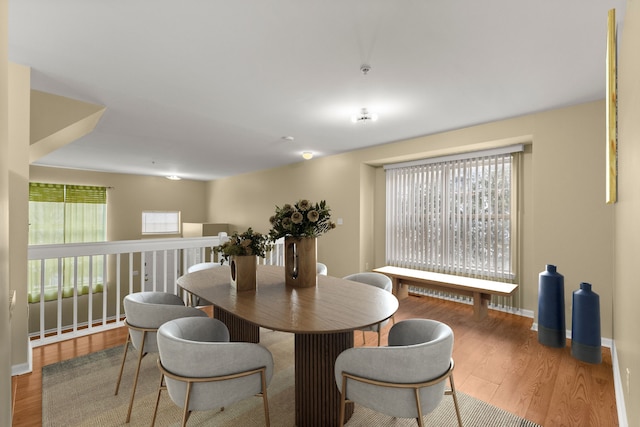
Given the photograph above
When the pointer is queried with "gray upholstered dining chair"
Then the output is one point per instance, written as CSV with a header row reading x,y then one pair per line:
x,y
407,378
196,300
202,370
145,312
378,280
203,266
321,269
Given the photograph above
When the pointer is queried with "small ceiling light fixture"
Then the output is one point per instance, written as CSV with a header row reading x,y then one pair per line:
x,y
307,155
174,178
364,116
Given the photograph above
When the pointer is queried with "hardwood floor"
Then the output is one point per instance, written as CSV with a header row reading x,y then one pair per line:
x,y
498,360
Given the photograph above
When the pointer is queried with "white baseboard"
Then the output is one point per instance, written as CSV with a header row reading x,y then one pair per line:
x,y
24,368
617,383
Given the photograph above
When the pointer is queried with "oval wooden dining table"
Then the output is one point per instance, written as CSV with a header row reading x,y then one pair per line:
x,y
322,317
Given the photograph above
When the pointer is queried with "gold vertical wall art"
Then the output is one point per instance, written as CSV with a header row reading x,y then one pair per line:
x,y
612,114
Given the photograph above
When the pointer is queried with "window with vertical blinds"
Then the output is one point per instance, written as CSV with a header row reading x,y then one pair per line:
x,y
454,215
61,213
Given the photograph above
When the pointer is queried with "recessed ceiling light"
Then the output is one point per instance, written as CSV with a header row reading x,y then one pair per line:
x,y
307,155
174,178
288,138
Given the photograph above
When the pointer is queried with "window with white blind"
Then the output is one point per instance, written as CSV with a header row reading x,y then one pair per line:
x,y
454,215
161,222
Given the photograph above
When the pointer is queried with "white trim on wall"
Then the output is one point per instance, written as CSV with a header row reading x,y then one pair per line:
x,y
617,385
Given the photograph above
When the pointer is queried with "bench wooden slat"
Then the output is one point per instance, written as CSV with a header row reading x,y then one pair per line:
x,y
479,289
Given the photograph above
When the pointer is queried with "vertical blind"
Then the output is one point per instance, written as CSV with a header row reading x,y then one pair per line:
x,y
453,216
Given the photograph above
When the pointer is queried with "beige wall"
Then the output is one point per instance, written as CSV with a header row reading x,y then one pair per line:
x,y
249,200
20,78
5,330
626,317
565,220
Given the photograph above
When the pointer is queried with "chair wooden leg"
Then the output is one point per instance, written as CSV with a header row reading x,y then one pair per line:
x,y
265,401
343,402
418,407
135,378
124,357
185,411
455,400
364,340
155,410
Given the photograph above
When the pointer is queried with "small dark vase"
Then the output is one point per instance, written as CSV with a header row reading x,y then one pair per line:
x,y
585,325
551,320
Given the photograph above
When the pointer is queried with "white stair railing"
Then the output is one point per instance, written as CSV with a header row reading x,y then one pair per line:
x,y
129,266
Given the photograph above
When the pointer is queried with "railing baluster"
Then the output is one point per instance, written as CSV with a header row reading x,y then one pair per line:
x,y
90,310
130,272
59,313
176,271
153,271
105,290
164,265
42,300
118,271
75,294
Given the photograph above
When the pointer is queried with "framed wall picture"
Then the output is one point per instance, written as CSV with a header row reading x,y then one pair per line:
x,y
612,113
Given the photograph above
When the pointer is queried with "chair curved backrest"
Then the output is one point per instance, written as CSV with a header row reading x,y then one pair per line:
x,y
372,278
149,310
378,280
420,351
198,348
203,266
196,300
321,269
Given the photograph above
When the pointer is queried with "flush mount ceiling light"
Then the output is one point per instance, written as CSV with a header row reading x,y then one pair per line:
x,y
307,155
174,178
364,116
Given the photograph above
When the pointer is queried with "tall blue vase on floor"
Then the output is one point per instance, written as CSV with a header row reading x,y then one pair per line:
x,y
551,320
585,325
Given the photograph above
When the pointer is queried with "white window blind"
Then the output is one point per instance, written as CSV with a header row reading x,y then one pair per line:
x,y
161,222
453,215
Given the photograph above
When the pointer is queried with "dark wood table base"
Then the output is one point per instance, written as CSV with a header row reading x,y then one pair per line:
x,y
239,330
317,395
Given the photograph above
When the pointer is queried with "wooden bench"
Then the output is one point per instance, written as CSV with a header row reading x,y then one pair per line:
x,y
478,289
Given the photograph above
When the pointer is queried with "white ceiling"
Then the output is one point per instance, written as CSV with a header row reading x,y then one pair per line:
x,y
208,88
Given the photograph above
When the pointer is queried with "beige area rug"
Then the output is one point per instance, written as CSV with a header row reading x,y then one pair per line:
x,y
79,392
